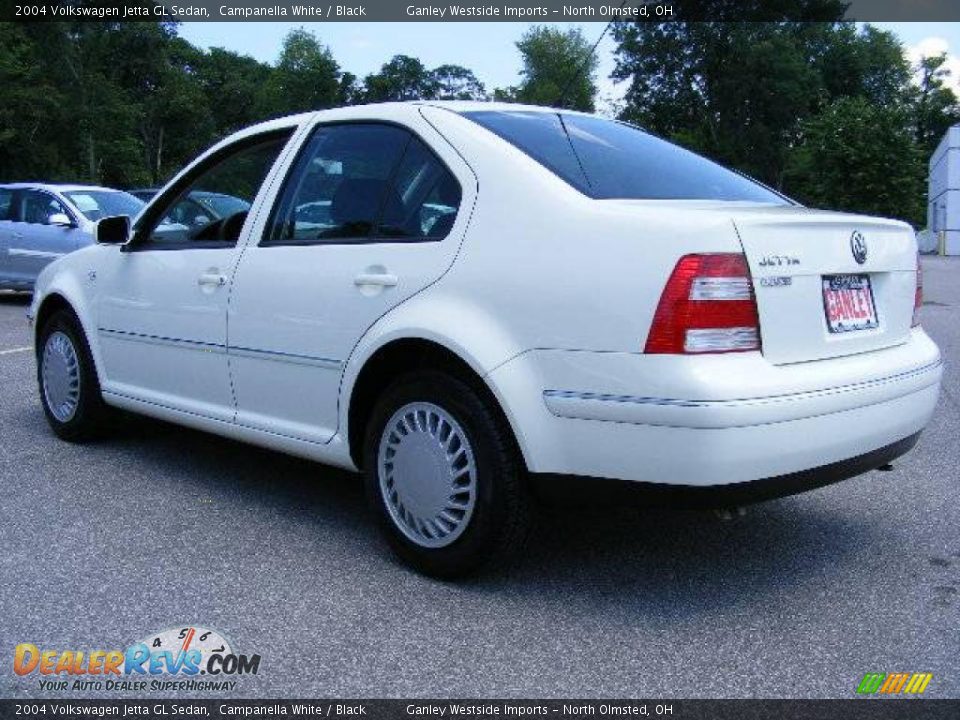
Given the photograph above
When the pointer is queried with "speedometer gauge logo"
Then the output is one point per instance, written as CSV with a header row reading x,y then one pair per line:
x,y
181,640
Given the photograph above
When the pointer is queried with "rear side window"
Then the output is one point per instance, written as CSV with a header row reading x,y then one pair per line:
x,y
364,182
606,159
429,197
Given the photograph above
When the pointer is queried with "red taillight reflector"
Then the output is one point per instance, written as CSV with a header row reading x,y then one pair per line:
x,y
918,294
707,306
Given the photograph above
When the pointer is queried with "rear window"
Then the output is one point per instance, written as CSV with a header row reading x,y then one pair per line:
x,y
607,159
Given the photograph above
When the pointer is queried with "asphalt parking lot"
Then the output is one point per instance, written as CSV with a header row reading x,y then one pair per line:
x,y
160,526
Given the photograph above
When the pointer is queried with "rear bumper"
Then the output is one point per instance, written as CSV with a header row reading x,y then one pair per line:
x,y
578,489
720,420
743,412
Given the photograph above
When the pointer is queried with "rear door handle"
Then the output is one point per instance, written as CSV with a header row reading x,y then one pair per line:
x,y
377,279
212,279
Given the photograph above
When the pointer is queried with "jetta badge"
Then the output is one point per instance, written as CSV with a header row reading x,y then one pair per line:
x,y
858,246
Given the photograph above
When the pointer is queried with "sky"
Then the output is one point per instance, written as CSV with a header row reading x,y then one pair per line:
x,y
486,48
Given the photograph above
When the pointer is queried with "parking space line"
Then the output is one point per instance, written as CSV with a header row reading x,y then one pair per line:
x,y
11,351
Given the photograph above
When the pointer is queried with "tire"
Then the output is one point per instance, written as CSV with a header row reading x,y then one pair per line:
x,y
472,497
67,380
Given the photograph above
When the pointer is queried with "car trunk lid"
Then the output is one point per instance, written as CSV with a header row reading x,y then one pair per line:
x,y
812,288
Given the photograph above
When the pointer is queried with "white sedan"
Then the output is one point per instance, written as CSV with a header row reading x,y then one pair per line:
x,y
462,300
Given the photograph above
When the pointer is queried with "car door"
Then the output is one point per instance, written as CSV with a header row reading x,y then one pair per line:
x,y
163,299
368,216
35,240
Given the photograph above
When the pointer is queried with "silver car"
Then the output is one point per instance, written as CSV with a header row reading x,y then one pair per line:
x,y
41,222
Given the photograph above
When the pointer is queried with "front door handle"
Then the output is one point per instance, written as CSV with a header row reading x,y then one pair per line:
x,y
212,279
375,279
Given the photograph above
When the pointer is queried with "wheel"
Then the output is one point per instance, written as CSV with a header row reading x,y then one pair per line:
x,y
69,388
444,478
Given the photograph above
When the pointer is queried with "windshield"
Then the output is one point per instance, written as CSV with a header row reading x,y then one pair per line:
x,y
97,204
221,205
606,159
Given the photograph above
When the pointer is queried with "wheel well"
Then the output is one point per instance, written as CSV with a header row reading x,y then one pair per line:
x,y
51,304
393,360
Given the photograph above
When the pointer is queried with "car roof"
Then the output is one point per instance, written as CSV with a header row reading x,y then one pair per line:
x,y
452,105
475,105
56,187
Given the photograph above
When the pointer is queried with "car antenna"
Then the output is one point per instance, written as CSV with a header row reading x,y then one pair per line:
x,y
566,87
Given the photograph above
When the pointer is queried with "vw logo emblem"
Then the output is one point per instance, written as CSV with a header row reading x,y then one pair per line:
x,y
858,246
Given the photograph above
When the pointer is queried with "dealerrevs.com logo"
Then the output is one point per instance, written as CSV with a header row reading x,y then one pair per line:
x,y
189,657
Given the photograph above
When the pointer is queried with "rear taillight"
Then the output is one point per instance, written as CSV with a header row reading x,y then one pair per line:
x,y
918,295
707,306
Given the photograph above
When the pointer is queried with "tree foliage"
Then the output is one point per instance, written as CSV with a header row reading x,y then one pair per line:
x,y
936,105
127,104
826,110
762,97
407,78
559,69
306,77
860,156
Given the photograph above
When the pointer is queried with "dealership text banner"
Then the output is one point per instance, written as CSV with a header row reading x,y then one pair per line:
x,y
469,11
486,709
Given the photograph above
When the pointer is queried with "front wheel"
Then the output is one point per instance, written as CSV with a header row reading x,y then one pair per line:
x,y
69,389
444,477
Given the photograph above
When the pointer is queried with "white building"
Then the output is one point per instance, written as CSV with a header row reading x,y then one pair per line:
x,y
943,206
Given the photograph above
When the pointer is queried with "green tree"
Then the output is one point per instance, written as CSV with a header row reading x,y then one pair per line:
x,y
232,85
734,91
306,77
31,115
98,115
739,92
401,78
454,82
934,104
559,68
860,156
852,62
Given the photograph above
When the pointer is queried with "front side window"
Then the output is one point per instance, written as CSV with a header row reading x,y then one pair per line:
x,y
98,204
605,159
210,208
37,207
364,182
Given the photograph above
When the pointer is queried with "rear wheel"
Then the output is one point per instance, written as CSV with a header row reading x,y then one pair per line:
x,y
444,477
69,388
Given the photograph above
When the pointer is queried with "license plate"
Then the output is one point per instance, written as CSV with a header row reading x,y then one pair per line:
x,y
848,303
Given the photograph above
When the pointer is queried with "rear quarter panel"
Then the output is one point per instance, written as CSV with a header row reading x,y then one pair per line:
x,y
555,269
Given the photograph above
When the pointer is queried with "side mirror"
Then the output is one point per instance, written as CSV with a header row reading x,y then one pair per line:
x,y
60,220
113,230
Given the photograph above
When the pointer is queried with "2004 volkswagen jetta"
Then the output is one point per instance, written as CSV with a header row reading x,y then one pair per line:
x,y
453,298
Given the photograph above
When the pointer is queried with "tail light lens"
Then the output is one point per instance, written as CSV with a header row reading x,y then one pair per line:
x,y
918,294
707,306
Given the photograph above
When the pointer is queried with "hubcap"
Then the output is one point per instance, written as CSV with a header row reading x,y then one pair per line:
x,y
427,473
60,370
